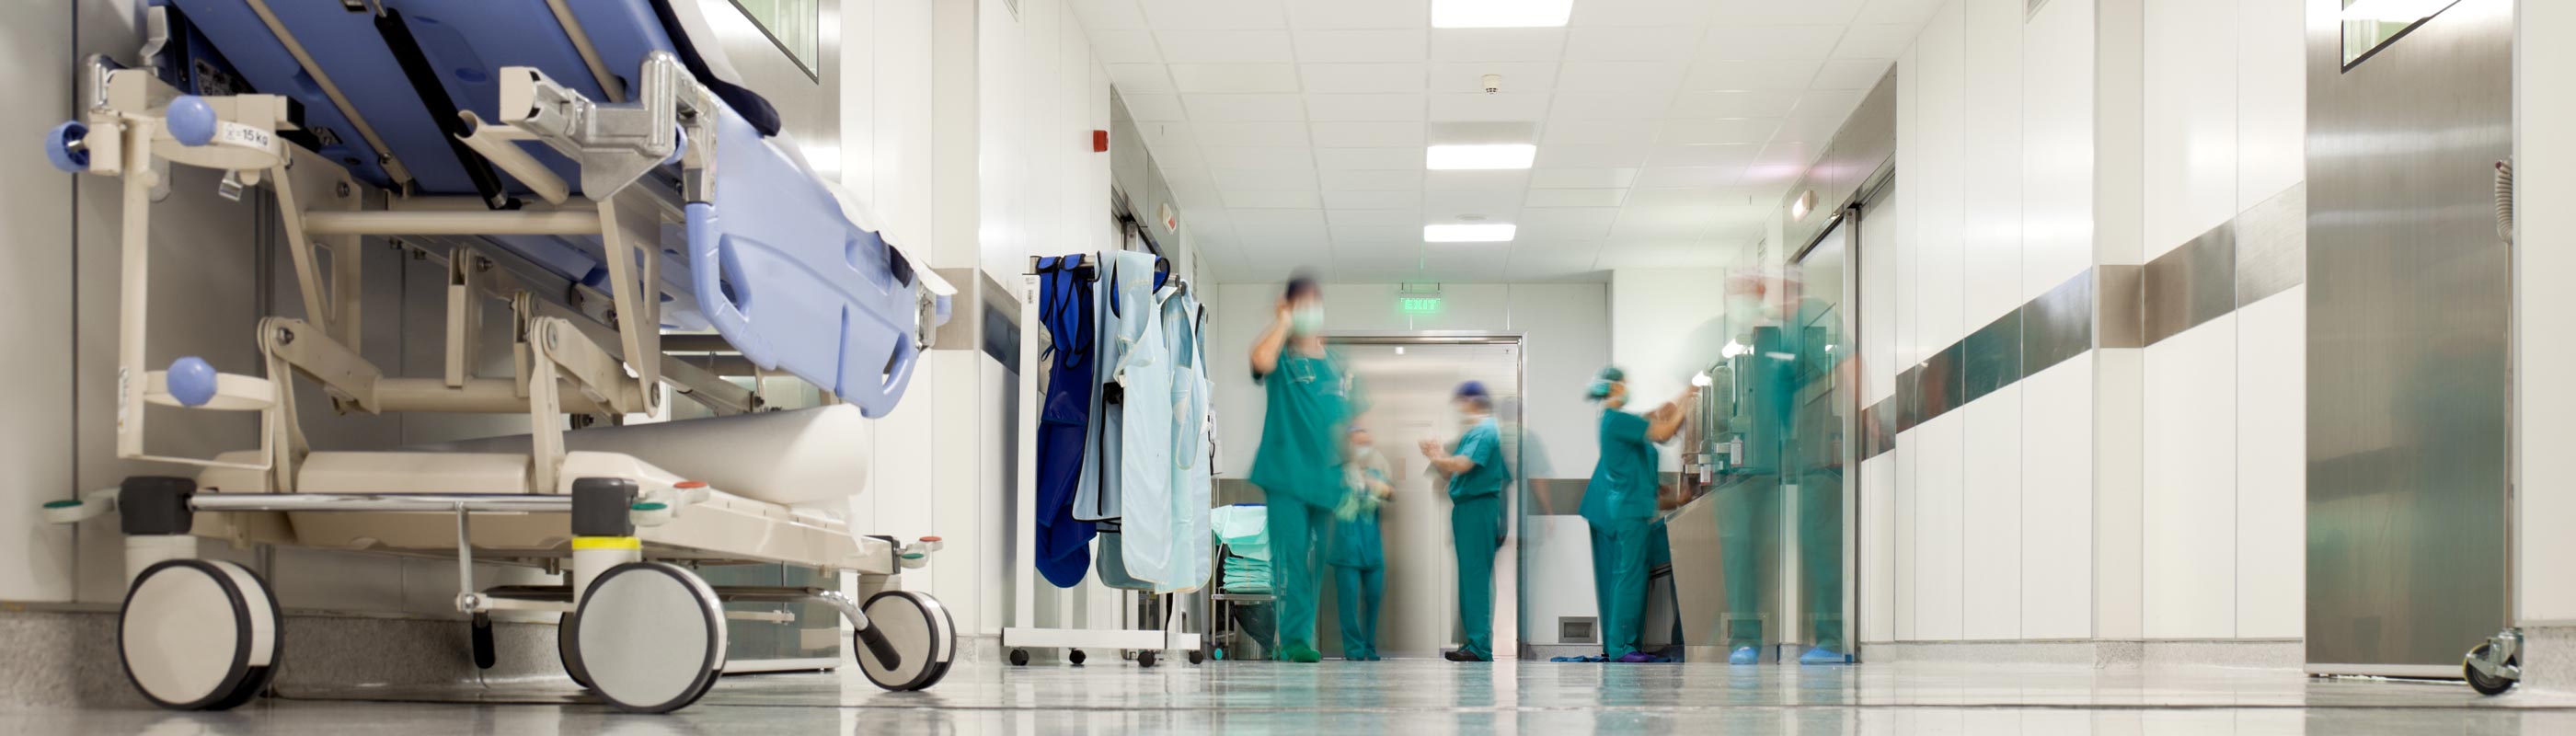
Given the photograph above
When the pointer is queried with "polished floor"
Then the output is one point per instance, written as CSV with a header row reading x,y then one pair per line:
x,y
1419,698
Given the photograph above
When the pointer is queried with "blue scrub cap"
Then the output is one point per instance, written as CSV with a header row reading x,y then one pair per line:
x,y
1600,386
1472,389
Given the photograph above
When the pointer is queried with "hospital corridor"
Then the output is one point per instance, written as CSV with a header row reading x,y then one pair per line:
x,y
1423,367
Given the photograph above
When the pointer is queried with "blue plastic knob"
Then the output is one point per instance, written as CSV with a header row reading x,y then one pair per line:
x,y
191,120
64,148
192,381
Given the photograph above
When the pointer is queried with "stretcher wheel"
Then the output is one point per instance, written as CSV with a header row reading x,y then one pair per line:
x,y
486,653
565,626
915,629
199,634
1197,656
1146,658
2483,683
650,636
1019,658
1075,656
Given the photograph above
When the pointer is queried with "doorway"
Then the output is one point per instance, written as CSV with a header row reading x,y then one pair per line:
x,y
1408,380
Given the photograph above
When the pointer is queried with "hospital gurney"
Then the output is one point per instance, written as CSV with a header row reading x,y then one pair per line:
x,y
590,166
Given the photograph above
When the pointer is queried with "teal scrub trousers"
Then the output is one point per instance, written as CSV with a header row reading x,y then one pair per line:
x,y
1619,563
1297,532
1476,525
1361,594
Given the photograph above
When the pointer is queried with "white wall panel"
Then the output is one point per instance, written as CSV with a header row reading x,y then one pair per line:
x,y
2190,525
2271,98
1882,233
2191,119
1939,270
2271,466
2119,493
1991,164
1878,550
1909,538
2057,501
1992,498
1907,254
2546,149
36,290
1664,325
2057,146
1940,532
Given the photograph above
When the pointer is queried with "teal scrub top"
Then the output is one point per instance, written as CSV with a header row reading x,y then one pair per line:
x,y
1356,540
1623,480
1483,445
1310,403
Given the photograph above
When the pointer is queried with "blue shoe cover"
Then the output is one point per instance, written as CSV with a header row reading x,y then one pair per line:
x,y
1821,655
1744,655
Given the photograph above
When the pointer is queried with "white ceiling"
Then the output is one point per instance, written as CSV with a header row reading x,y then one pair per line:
x,y
1292,131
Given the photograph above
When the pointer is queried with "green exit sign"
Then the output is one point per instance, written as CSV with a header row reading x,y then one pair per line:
x,y
1420,304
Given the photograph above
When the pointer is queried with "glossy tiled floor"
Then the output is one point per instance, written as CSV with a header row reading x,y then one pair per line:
x,y
1421,698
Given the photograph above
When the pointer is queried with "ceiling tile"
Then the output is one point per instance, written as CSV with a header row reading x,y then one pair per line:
x,y
1833,104
1566,223
1235,78
1574,197
1666,255
1704,131
1689,176
1706,155
1249,157
1643,199
1751,74
1599,105
1469,76
1851,73
1775,12
1278,133
1162,135
1370,158
1764,103
1876,41
1611,178
1910,13
1140,78
1649,78
1809,130
1344,199
1359,13
1590,131
1514,180
1367,134
1409,234
1360,78
1106,15
1495,205
1334,47
1145,107
1272,198
1651,43
1781,162
1185,15
1770,42
1641,13
1225,47
1290,223
1386,107
1497,44
1124,47
1591,157
1227,108
1181,159
1480,106
1259,179
1371,179
1411,218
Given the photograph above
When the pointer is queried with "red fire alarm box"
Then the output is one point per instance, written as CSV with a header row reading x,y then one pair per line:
x,y
1099,141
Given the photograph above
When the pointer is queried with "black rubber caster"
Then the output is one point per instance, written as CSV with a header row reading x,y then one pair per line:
x,y
1075,657
1197,656
1146,658
1019,658
2483,683
486,653
565,635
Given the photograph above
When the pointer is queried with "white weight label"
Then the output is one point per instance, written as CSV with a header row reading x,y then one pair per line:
x,y
230,133
122,379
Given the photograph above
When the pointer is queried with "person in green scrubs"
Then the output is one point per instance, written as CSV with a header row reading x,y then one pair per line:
x,y
1310,398
1474,465
1619,506
1359,554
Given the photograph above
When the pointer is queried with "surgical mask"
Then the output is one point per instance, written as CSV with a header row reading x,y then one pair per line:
x,y
1306,320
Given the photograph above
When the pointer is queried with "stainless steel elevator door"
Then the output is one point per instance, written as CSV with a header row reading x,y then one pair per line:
x,y
2408,297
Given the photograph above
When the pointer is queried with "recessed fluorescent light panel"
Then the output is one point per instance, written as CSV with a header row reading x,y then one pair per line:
x,y
1477,233
1500,13
1480,157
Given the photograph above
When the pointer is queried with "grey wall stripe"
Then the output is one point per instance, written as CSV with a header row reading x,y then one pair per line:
x,y
2261,253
